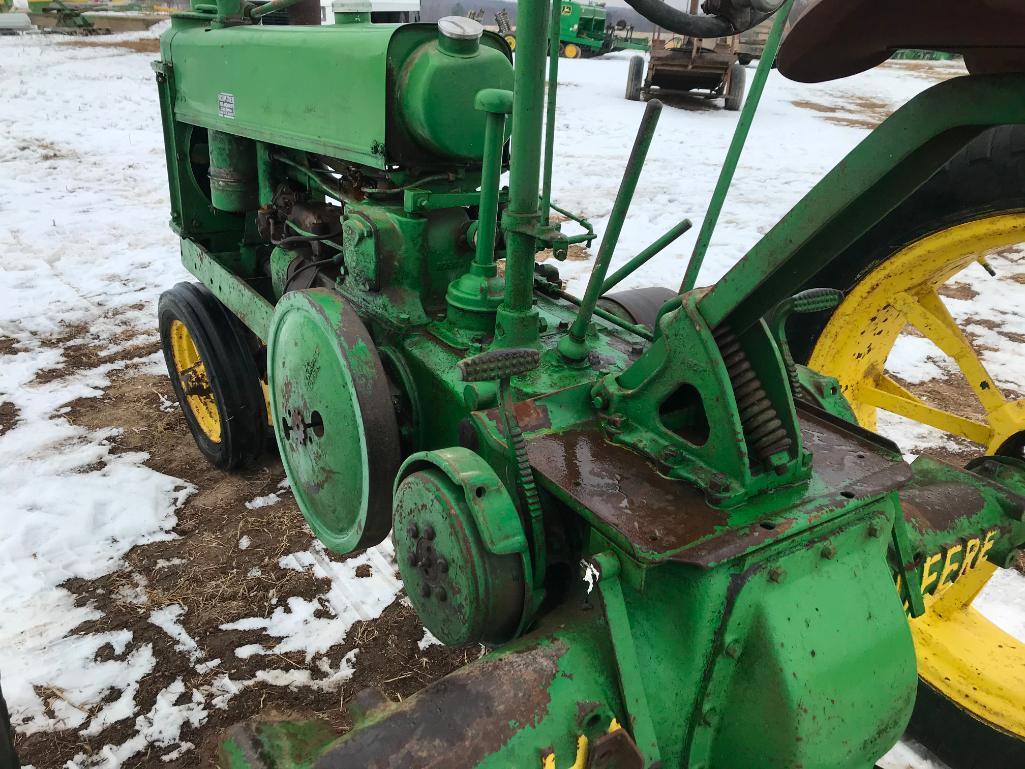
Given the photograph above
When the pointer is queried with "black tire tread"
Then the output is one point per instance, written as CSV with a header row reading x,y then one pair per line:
x,y
226,349
987,177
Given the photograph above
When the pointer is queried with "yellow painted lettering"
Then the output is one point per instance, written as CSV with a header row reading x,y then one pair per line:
x,y
991,539
928,575
970,551
949,567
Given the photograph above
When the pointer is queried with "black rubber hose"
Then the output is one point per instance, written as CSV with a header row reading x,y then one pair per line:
x,y
689,24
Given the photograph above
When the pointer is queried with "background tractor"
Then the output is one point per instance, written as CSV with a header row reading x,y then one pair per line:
x,y
665,510
584,31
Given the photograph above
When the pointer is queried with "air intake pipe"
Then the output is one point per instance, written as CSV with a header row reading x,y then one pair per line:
x,y
725,17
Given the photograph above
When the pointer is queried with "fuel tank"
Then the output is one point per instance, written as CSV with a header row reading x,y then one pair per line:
x,y
380,95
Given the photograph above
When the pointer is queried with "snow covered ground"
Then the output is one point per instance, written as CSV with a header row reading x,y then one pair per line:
x,y
84,253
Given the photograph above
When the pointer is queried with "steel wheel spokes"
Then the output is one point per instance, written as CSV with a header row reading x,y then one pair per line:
x,y
925,311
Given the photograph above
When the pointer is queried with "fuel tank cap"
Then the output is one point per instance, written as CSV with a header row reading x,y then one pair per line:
x,y
460,28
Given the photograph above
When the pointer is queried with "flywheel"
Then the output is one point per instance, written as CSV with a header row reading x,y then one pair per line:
x,y
333,418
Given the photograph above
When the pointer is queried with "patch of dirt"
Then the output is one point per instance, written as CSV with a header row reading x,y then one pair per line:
x,y
856,112
8,416
9,346
992,325
958,291
80,354
575,253
146,45
46,151
205,571
934,71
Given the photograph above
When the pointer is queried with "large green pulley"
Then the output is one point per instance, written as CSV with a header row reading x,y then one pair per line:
x,y
334,419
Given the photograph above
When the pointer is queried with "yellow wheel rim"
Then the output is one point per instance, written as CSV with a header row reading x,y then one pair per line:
x,y
960,653
195,381
902,291
511,40
572,51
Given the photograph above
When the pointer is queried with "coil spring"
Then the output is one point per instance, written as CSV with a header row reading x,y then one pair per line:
x,y
762,425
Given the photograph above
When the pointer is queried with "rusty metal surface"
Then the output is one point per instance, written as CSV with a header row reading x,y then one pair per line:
x,y
828,39
936,506
458,721
657,515
623,490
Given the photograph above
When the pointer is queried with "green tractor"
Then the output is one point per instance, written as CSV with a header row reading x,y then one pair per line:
x,y
584,31
666,511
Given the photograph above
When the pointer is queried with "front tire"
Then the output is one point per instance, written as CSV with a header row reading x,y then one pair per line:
x,y
211,361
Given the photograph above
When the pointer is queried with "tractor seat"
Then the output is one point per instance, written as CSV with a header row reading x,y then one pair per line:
x,y
829,39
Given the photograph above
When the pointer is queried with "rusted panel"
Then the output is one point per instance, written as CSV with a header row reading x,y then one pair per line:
x,y
655,514
937,506
458,721
623,491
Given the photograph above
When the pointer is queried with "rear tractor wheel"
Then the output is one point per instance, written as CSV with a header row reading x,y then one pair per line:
x,y
211,360
971,702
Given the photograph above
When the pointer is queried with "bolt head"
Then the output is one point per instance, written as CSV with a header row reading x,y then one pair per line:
x,y
428,532
874,530
776,574
442,565
732,650
412,531
828,551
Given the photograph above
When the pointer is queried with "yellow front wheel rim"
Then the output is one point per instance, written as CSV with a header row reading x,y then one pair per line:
x,y
572,51
195,381
960,653
511,40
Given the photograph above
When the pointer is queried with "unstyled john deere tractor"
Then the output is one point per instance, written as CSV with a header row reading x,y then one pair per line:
x,y
666,511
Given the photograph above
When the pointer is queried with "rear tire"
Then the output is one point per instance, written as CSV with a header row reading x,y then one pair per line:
x,y
634,76
735,94
211,361
985,181
987,177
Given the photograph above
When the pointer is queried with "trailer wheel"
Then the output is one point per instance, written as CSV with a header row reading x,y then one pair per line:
x,y
735,94
634,77
971,699
211,362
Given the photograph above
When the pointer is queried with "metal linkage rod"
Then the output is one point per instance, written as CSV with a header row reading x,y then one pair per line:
x,y
572,345
553,87
642,258
729,168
